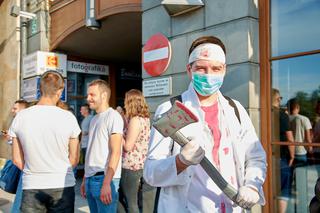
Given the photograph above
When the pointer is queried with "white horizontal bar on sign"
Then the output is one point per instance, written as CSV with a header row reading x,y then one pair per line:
x,y
156,54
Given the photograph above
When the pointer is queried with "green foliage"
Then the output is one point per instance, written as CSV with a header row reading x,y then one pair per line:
x,y
308,102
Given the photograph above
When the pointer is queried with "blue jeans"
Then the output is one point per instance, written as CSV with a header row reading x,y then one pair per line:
x,y
17,200
93,187
300,160
286,172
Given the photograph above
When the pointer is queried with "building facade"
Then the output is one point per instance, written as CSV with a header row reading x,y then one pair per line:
x,y
9,66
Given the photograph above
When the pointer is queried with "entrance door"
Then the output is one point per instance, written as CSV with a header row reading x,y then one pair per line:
x,y
128,76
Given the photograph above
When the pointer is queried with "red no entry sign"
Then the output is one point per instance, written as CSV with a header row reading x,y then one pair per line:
x,y
156,54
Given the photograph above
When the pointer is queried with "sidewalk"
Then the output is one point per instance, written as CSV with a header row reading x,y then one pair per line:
x,y
81,204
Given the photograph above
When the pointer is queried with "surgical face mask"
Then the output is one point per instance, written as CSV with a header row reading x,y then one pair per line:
x,y
206,84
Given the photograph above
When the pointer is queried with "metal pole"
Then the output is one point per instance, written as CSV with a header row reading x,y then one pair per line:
x,y
23,42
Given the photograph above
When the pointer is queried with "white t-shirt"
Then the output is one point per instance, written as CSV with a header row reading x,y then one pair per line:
x,y
85,128
102,126
44,132
299,124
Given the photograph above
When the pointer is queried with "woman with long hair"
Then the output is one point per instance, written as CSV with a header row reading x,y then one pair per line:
x,y
135,147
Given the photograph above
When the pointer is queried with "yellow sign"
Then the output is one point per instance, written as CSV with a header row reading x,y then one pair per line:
x,y
52,61
39,62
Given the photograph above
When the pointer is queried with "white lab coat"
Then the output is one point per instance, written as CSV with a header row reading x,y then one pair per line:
x,y
160,167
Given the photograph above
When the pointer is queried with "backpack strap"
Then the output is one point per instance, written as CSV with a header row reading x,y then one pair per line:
x,y
231,103
175,98
156,201
234,106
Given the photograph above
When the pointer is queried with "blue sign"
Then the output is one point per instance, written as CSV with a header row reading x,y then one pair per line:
x,y
31,90
63,97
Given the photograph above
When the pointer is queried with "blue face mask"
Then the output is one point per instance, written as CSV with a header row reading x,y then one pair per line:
x,y
206,84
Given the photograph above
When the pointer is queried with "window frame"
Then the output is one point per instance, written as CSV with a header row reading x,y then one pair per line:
x,y
265,95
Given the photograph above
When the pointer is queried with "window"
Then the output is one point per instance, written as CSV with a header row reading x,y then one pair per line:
x,y
294,26
295,92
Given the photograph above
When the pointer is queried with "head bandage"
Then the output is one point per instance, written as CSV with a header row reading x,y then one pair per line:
x,y
207,51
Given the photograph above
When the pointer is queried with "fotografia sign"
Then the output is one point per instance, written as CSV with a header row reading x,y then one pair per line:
x,y
80,67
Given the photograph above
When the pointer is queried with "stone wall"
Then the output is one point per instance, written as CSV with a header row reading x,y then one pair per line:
x,y
38,39
9,68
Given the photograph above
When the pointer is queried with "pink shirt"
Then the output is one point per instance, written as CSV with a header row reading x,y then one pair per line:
x,y
211,117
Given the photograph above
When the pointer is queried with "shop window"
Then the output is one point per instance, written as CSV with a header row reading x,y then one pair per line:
x,y
295,90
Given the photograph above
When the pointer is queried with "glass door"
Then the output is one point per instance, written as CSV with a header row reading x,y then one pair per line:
x,y
294,103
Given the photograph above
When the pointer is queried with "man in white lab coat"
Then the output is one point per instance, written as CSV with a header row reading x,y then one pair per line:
x,y
229,143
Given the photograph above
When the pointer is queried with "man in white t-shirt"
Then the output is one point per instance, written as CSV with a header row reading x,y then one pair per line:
x,y
17,107
301,127
85,112
103,151
46,147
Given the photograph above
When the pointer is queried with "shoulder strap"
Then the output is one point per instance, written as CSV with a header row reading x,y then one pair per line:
x,y
234,106
172,100
156,201
175,98
231,103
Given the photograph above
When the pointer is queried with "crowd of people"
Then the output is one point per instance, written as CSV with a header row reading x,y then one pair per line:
x,y
290,126
128,165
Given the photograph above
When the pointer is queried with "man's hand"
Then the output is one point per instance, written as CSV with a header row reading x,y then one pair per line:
x,y
191,153
5,135
105,194
291,160
83,188
247,197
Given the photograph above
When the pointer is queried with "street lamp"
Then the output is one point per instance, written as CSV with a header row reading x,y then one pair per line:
x,y
15,12
91,21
